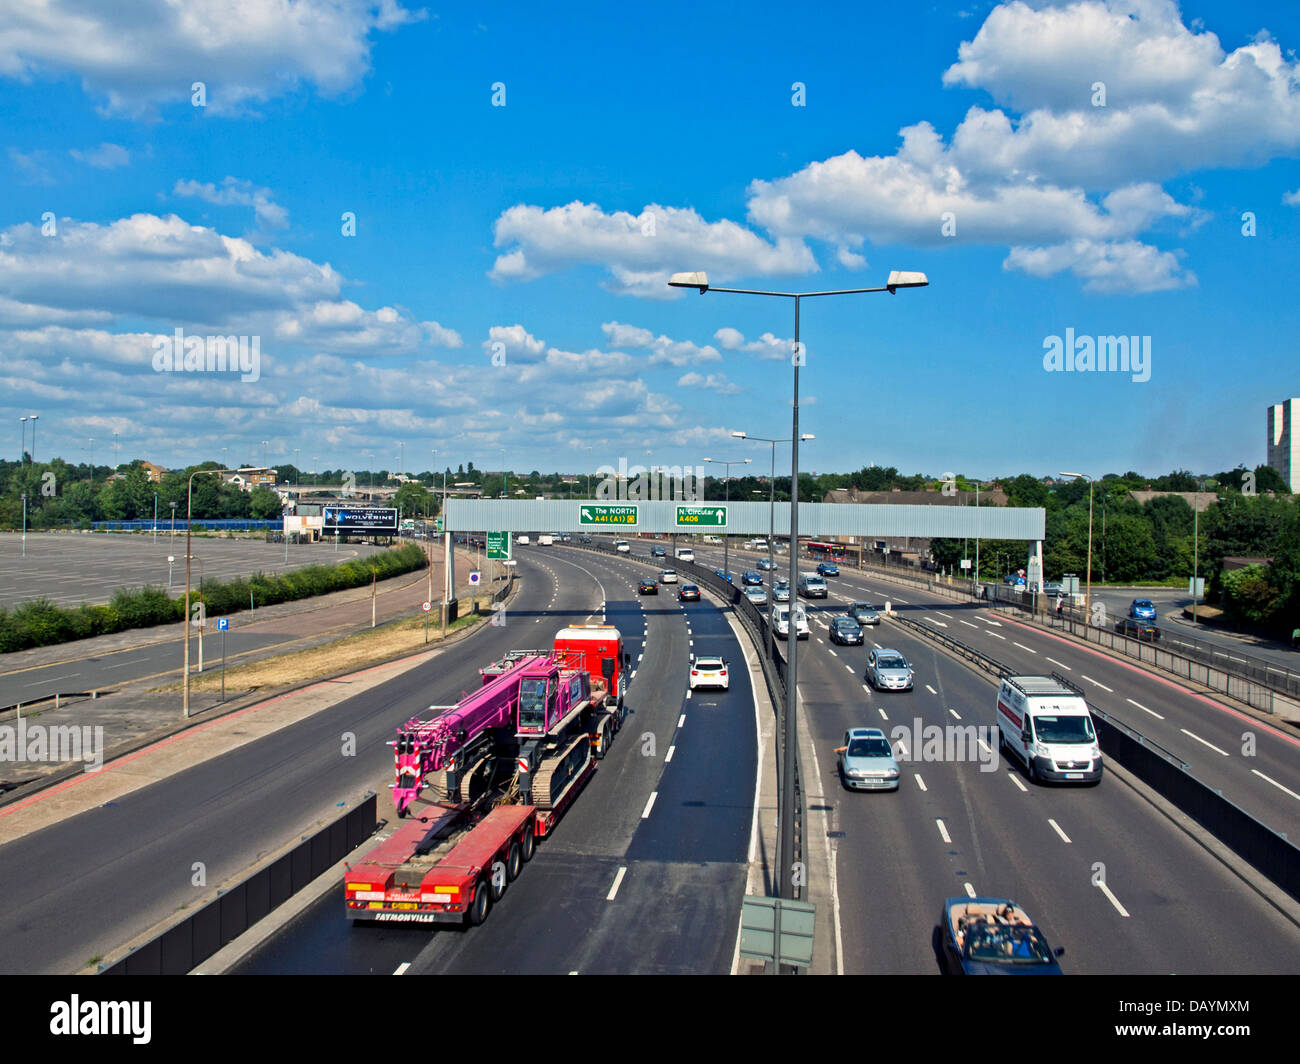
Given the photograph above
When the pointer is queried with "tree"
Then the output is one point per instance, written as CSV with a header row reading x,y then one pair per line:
x,y
414,499
264,504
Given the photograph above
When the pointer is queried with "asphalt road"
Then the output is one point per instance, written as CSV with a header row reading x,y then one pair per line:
x,y
72,567
657,843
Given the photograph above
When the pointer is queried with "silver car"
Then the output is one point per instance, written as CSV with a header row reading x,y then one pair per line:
x,y
888,670
756,595
781,593
867,761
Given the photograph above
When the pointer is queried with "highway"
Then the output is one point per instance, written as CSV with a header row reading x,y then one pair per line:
x,y
77,889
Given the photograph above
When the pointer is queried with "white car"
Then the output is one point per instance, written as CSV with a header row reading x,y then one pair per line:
x,y
709,672
668,576
622,546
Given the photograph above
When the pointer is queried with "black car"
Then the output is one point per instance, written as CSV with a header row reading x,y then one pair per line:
x,y
584,539
648,587
688,593
846,631
1137,629
658,552
751,578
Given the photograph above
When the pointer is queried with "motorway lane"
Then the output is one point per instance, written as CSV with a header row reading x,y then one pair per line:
x,y
79,888
686,857
1187,913
1208,736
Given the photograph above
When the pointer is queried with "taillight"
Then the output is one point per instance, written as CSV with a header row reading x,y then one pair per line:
x,y
694,673
723,672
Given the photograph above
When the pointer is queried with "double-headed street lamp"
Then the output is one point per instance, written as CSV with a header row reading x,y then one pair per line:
x,y
727,482
1087,597
771,525
700,281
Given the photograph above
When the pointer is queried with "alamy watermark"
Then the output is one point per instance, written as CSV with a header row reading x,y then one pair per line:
x,y
1098,354
23,742
950,743
641,484
209,354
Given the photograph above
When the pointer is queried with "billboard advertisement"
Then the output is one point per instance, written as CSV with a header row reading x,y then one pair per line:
x,y
360,520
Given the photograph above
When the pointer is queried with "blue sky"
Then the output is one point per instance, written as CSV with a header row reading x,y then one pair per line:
x,y
631,145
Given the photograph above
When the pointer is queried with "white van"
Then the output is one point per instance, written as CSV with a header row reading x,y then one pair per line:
x,y
1044,721
713,539
781,621
545,541
685,554
622,546
521,539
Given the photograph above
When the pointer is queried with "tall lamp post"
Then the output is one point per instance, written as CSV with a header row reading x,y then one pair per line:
x,y
1087,598
726,540
22,447
34,419
189,512
771,524
1196,542
700,281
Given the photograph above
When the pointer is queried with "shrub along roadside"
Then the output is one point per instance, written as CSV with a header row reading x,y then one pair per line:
x,y
40,623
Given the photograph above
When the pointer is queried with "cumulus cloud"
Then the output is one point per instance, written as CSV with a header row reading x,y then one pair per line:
x,y
137,55
1291,199
716,382
767,346
343,326
1127,267
639,251
515,342
235,192
105,157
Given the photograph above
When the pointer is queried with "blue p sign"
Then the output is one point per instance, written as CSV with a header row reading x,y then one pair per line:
x,y
223,624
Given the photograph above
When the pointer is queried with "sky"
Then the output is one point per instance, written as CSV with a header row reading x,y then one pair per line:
x,y
444,235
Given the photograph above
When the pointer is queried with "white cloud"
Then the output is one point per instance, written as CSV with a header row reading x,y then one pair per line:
x,y
34,166
105,157
1127,267
627,335
236,192
345,327
136,55
517,343
767,346
638,251
716,382
1291,199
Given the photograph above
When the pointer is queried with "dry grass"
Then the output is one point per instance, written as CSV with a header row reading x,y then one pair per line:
x,y
350,653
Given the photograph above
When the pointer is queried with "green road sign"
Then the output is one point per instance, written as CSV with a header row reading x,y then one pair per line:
x,y
437,524
498,546
598,514
701,516
758,930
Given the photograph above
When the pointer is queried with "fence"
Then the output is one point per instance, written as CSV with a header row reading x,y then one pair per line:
x,y
194,939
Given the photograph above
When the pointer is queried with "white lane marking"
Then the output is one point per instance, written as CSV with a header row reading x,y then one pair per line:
x,y
574,972
941,614
122,665
1144,708
876,645
939,623
996,624
882,713
690,642
902,600
669,756
1096,683
1193,735
52,679
984,746
1023,647
650,804
617,880
1275,783
1016,780
931,689
1057,828
943,832
970,891
681,720
1112,899
919,782
639,657
688,692
955,714
866,688
902,747
967,623
849,667
996,636
1061,663
401,968
831,652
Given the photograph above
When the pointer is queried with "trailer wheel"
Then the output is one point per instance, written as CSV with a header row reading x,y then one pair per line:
x,y
514,862
602,740
478,908
528,843
500,879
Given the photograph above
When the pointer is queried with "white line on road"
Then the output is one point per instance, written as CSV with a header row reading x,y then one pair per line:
x,y
849,667
902,747
1016,780
669,756
1275,783
831,652
970,891
1113,900
401,968
650,804
1023,647
1061,663
996,636
939,623
1193,735
996,624
1096,683
943,832
931,689
882,713
617,880
954,713
681,720
1144,708
943,615
52,679
919,782
688,692
1057,828
968,624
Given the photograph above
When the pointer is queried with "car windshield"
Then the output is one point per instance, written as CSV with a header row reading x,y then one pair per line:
x,y
688,588
870,748
847,623
711,664
993,943
889,661
532,703
1074,729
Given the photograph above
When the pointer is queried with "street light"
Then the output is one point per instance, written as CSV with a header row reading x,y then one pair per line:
x,y
22,447
1087,598
771,526
699,280
726,540
1196,540
35,418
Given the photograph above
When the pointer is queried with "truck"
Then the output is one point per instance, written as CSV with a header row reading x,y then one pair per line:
x,y
1045,722
500,768
545,541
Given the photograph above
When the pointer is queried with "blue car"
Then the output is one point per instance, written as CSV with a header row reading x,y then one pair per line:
x,y
1142,610
993,936
725,575
751,578
828,569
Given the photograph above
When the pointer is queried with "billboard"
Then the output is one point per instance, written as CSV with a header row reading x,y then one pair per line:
x,y
360,520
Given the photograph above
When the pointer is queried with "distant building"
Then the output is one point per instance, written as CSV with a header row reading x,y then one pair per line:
x,y
1284,441
248,479
155,473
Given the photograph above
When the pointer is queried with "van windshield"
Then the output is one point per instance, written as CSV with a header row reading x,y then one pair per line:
x,y
1064,729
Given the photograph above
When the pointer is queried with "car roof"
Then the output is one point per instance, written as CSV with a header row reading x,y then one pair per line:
x,y
707,657
889,650
867,733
